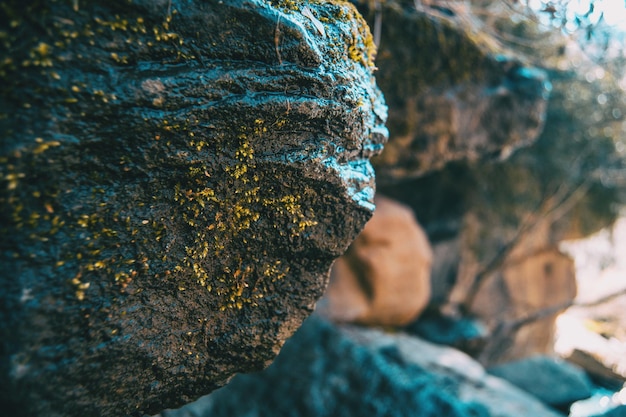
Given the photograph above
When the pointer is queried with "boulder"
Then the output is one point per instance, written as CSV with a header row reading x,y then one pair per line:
x,y
465,102
554,381
492,224
453,93
176,179
472,382
384,276
464,333
330,370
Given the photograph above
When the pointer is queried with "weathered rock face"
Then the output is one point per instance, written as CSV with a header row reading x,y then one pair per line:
x,y
452,93
455,97
327,370
176,180
384,277
463,100
543,286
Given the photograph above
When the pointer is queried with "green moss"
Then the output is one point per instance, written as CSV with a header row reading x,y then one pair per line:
x,y
83,242
43,58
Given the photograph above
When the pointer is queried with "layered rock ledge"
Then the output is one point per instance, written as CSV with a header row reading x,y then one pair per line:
x,y
454,93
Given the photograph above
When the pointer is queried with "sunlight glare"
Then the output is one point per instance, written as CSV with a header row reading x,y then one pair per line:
x,y
614,12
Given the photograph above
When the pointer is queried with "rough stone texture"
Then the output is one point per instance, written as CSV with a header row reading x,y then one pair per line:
x,y
176,179
452,93
325,370
384,276
552,380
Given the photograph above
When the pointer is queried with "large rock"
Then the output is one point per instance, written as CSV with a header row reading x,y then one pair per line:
x,y
453,93
472,382
552,380
384,276
176,180
326,370
491,224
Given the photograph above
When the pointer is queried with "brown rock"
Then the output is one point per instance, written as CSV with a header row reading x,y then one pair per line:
x,y
384,277
521,302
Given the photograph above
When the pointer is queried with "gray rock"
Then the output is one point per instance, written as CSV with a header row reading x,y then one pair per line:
x,y
327,370
474,384
552,380
176,179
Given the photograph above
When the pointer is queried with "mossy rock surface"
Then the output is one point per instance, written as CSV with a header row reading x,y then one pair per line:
x,y
176,178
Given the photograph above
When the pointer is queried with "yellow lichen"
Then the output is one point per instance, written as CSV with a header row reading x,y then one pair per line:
x,y
222,218
235,211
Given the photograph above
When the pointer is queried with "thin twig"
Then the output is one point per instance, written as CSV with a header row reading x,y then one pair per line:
x,y
554,207
601,300
378,22
503,331
277,40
